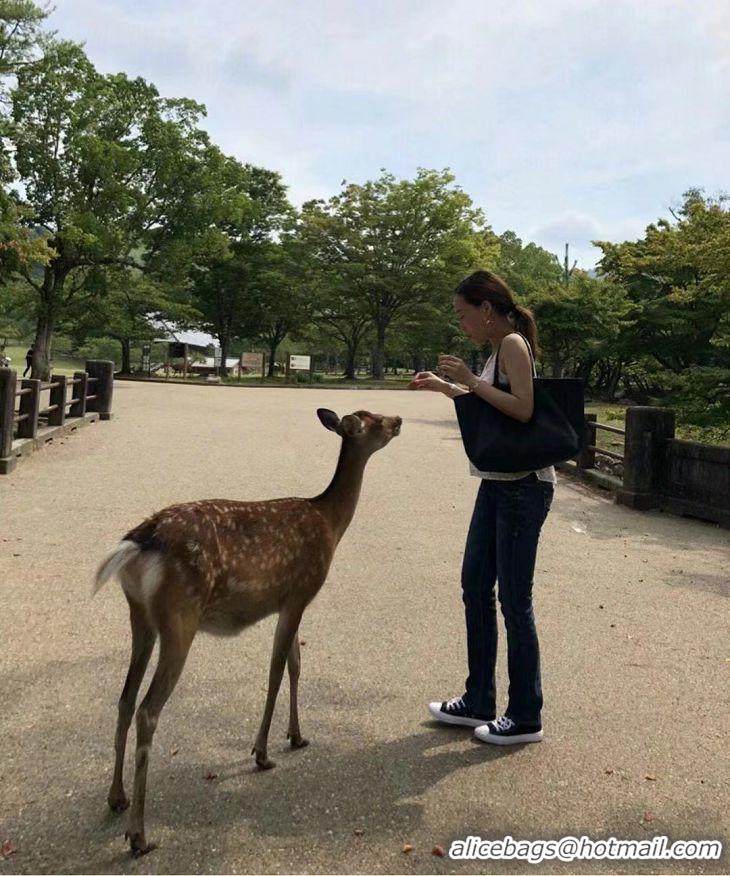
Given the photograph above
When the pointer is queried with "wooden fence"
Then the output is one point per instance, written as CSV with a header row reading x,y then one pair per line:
x,y
659,470
26,426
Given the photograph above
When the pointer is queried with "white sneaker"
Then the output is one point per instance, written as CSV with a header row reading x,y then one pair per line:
x,y
455,711
505,731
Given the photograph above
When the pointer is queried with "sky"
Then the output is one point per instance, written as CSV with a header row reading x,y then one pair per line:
x,y
566,121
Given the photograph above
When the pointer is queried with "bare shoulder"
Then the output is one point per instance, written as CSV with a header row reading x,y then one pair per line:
x,y
515,345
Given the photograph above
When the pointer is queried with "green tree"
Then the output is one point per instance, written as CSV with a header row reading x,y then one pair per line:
x,y
20,41
241,254
124,304
401,243
580,326
677,282
20,37
528,269
677,279
339,308
111,171
282,289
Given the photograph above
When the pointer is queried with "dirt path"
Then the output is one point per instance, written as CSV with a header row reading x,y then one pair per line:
x,y
632,613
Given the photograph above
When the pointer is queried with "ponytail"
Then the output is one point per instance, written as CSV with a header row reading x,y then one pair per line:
x,y
524,321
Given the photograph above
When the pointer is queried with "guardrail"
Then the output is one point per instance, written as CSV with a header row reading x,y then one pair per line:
x,y
658,470
587,457
25,425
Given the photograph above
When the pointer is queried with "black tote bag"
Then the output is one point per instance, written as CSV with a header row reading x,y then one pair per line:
x,y
494,441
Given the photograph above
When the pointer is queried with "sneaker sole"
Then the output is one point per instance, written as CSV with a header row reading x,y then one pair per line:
x,y
493,739
452,719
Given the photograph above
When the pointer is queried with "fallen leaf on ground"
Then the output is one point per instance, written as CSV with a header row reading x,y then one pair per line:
x,y
210,776
8,848
650,778
358,831
407,848
302,641
174,751
609,772
438,851
648,816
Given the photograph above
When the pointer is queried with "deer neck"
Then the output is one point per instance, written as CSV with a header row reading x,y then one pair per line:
x,y
339,500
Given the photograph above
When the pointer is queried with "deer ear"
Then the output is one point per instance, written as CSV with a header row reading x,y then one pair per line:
x,y
351,424
329,419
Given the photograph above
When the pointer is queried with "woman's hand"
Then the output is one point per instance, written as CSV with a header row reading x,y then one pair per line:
x,y
456,369
428,380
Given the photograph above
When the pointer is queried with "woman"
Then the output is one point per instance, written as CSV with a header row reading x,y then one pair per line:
x,y
505,527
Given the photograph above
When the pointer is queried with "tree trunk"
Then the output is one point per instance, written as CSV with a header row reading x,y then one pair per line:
x,y
350,363
53,282
613,380
41,368
272,357
224,353
379,353
126,356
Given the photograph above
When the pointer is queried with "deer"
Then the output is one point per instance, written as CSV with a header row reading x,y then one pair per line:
x,y
219,566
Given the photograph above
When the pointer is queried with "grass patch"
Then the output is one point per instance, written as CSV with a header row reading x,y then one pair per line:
x,y
63,364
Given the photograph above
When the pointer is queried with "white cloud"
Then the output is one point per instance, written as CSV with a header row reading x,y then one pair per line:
x,y
545,111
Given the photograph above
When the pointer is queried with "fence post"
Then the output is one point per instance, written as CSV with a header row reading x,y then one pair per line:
x,y
647,431
8,381
103,370
29,404
586,457
78,408
58,397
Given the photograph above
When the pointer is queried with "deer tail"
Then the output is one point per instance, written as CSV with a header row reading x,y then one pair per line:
x,y
114,563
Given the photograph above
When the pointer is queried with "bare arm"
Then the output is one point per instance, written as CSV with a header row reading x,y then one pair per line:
x,y
518,403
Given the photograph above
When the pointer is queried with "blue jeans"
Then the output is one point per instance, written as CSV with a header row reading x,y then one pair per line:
x,y
502,546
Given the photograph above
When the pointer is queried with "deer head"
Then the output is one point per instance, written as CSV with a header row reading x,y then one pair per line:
x,y
362,430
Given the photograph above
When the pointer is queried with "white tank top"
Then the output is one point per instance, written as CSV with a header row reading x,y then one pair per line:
x,y
543,474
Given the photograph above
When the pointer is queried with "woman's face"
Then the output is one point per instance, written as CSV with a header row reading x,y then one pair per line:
x,y
472,319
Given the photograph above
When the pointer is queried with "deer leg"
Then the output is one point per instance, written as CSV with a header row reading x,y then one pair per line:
x,y
286,629
143,641
294,663
176,636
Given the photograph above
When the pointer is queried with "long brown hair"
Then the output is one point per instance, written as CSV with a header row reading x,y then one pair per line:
x,y
484,286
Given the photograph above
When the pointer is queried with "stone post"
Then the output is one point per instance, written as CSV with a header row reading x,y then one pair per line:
x,y
78,408
102,387
586,457
8,382
645,456
58,398
29,404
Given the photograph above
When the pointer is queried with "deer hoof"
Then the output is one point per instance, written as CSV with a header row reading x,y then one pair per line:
x,y
263,762
138,846
118,804
298,742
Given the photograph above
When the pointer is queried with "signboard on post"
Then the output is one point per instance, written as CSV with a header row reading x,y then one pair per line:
x,y
146,350
299,363
253,362
217,359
